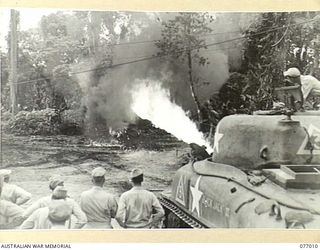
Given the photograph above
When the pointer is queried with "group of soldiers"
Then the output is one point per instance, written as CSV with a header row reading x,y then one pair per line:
x,y
136,208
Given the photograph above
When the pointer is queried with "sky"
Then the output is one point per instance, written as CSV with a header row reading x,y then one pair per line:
x,y
29,18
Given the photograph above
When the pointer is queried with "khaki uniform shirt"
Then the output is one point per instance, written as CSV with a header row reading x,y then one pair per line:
x,y
136,206
99,206
15,194
308,85
9,211
45,201
39,220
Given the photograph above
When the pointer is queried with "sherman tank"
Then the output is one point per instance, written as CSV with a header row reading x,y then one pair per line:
x,y
264,173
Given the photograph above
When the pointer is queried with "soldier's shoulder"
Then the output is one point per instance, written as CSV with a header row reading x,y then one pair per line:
x,y
308,78
85,193
105,193
9,186
149,193
126,193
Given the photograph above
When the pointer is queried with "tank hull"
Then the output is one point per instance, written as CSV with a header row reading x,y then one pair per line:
x,y
224,199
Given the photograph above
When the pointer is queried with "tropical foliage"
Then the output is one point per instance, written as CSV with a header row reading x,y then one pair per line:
x,y
53,57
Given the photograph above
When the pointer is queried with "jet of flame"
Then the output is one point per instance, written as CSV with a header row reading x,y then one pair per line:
x,y
152,102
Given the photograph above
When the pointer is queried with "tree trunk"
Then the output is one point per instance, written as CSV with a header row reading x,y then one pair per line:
x,y
315,67
187,30
191,83
13,61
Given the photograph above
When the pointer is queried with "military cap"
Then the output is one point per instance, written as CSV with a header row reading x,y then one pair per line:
x,y
59,211
135,173
5,172
59,192
98,172
55,181
293,72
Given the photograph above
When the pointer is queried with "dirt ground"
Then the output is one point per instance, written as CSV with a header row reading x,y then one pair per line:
x,y
33,159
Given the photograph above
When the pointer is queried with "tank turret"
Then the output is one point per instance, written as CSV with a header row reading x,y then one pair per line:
x,y
260,141
264,173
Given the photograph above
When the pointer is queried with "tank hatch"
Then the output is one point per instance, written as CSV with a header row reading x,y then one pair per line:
x,y
295,176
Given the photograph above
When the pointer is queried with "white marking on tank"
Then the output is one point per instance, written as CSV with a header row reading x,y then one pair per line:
x,y
180,191
217,138
196,196
317,170
314,134
216,206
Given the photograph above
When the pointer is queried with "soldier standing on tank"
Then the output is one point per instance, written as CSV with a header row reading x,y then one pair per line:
x,y
309,85
97,204
11,192
45,201
139,208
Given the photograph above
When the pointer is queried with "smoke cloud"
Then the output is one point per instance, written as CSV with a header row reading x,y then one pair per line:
x,y
109,97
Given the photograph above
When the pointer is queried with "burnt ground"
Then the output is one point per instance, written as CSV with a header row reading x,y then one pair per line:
x,y
33,159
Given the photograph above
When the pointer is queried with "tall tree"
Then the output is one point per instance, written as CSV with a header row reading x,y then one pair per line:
x,y
265,57
182,39
13,59
46,55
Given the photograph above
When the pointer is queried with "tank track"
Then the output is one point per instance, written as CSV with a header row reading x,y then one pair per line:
x,y
185,217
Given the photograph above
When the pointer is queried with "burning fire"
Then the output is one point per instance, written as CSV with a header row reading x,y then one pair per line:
x,y
152,102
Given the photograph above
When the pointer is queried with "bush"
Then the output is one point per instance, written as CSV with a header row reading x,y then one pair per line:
x,y
5,116
72,122
42,122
